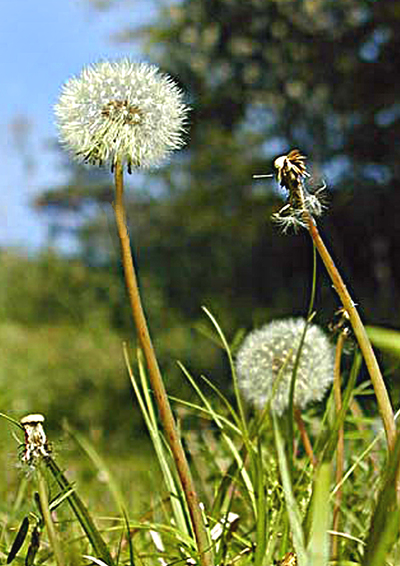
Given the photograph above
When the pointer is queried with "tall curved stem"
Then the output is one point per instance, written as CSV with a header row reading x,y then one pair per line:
x,y
160,394
384,404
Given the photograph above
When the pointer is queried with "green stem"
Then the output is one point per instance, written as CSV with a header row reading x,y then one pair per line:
x,y
384,404
81,513
160,394
340,443
48,521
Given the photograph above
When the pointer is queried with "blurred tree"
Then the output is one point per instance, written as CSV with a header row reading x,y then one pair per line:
x,y
263,77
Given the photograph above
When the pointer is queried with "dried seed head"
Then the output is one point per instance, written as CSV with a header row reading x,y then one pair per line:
x,y
290,165
121,110
32,419
291,172
266,359
36,446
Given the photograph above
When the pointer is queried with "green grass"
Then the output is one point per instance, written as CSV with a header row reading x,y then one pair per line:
x,y
261,500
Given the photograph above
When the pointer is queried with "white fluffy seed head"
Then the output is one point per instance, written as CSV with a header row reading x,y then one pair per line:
x,y
265,362
121,110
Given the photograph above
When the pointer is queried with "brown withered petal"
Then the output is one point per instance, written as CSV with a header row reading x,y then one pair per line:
x,y
298,162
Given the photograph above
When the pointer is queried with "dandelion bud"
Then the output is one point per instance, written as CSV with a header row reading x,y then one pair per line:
x,y
266,358
121,111
36,445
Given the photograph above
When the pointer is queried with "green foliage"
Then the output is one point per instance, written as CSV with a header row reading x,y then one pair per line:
x,y
64,372
61,332
384,523
385,339
49,289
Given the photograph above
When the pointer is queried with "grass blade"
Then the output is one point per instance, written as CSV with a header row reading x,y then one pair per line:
x,y
291,505
100,464
385,339
150,419
384,525
19,540
129,539
227,439
81,513
233,370
318,545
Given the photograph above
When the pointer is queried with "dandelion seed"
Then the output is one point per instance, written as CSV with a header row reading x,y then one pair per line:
x,y
266,359
121,110
289,219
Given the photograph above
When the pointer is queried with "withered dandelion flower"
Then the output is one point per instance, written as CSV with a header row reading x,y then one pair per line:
x,y
35,446
291,174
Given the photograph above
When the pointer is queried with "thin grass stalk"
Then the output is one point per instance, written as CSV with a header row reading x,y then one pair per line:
x,y
360,459
357,415
340,443
383,400
222,426
291,409
171,480
236,389
293,414
261,521
160,395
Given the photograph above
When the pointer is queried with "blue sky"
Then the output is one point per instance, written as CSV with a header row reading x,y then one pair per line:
x,y
43,43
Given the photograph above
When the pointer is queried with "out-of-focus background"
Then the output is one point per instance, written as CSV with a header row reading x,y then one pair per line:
x,y
262,77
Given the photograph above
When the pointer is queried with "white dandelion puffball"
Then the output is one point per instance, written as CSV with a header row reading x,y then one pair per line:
x,y
121,110
266,358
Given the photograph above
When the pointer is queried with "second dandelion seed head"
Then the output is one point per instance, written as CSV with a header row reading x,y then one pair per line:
x,y
265,363
121,111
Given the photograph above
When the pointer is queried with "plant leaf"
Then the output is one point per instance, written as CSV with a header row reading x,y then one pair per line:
x,y
19,540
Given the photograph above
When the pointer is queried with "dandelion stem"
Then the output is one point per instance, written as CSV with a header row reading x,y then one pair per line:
x,y
304,437
160,394
384,404
48,521
340,442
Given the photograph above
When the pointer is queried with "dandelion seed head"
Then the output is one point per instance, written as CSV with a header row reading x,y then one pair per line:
x,y
266,358
121,110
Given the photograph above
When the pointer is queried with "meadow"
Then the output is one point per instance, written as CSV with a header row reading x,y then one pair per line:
x,y
279,476
209,374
